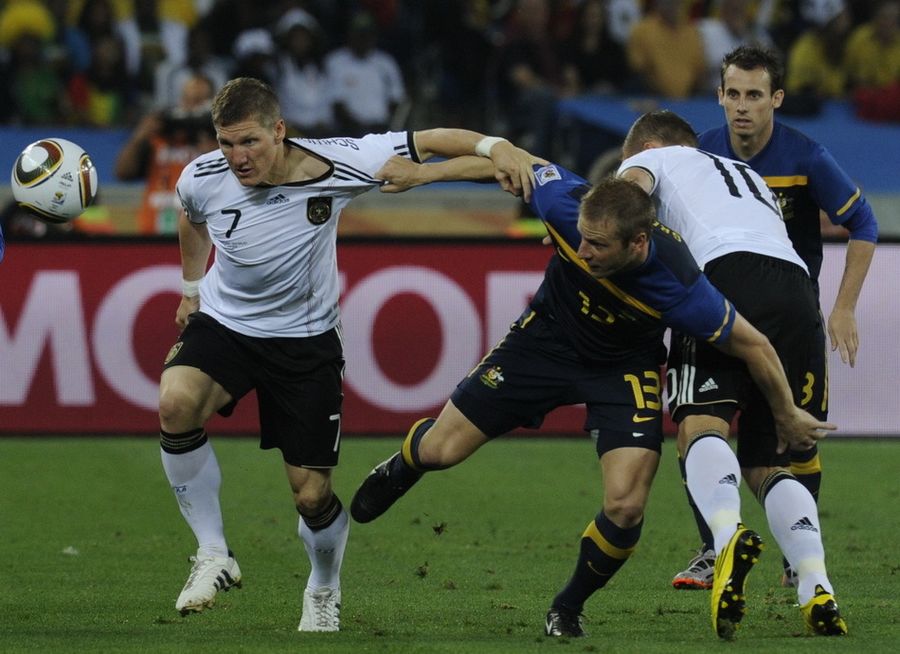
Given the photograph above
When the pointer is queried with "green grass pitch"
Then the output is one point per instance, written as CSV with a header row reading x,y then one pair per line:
x,y
93,553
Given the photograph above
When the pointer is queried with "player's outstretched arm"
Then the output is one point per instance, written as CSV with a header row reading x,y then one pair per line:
x,y
401,174
513,166
195,246
796,428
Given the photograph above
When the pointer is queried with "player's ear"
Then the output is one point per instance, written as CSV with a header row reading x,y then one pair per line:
x,y
777,98
280,131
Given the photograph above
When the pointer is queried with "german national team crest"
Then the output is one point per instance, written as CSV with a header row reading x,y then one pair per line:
x,y
173,352
318,210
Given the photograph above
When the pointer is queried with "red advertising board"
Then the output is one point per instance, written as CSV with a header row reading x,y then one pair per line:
x,y
84,328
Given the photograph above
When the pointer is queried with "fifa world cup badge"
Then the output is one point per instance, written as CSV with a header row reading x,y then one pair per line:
x,y
318,210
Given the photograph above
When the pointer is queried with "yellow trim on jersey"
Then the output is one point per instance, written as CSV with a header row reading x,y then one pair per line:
x,y
718,332
605,546
569,254
807,467
849,202
787,181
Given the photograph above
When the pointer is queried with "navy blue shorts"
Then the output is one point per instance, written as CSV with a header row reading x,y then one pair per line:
x,y
298,383
531,372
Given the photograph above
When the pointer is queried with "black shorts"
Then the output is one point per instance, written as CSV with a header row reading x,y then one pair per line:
x,y
297,383
776,297
531,372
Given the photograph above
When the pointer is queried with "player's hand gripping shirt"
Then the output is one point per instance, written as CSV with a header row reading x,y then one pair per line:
x,y
717,204
275,270
625,315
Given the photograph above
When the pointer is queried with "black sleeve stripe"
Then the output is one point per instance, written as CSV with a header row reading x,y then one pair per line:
x,y
353,173
212,162
207,173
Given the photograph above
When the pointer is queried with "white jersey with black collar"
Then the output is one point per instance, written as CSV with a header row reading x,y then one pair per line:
x,y
718,205
275,269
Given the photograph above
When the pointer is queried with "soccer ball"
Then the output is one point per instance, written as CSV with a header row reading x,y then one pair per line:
x,y
55,179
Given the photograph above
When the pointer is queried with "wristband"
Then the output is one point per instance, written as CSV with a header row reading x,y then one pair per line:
x,y
190,288
483,147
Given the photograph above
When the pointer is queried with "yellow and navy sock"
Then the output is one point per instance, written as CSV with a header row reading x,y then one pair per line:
x,y
604,549
807,468
405,466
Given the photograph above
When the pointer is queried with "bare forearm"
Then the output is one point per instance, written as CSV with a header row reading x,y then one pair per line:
x,y
195,246
856,267
446,142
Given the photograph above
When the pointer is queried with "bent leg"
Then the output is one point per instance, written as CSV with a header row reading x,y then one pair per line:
x,y
429,445
323,528
611,537
187,398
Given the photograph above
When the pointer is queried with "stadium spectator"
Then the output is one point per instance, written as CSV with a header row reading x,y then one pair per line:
x,y
593,334
254,55
531,77
201,60
265,317
457,61
595,61
873,63
665,49
735,25
815,64
33,86
301,83
807,182
162,144
736,233
366,84
104,95
873,48
162,32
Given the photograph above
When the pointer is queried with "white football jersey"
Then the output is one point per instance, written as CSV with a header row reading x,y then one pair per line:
x,y
718,205
275,270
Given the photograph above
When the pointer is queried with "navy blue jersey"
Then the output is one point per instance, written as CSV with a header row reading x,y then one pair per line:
x,y
625,315
806,178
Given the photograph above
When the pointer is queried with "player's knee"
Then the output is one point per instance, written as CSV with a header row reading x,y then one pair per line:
x,y
179,409
312,501
624,511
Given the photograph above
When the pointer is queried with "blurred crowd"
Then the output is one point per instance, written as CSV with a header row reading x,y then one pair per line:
x,y
352,66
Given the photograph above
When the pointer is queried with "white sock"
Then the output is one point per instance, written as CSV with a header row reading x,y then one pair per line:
x,y
794,522
713,477
325,548
195,478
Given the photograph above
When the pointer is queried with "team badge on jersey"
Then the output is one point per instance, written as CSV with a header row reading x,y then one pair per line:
x,y
492,377
547,174
318,210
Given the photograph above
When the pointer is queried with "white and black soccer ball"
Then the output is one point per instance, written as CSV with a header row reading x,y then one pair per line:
x,y
55,179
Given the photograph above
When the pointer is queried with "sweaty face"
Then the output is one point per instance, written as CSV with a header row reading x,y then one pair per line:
x,y
749,102
251,150
602,249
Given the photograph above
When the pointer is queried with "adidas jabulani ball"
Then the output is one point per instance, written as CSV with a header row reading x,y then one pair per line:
x,y
55,179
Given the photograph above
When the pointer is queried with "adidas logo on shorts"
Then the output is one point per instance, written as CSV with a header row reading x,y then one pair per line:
x,y
730,479
709,385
